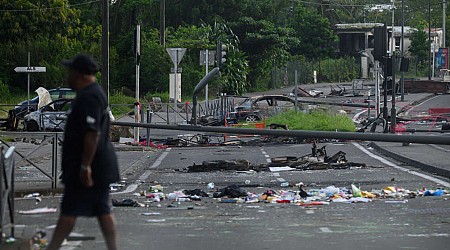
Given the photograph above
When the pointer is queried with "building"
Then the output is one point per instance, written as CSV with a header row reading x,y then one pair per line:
x,y
356,38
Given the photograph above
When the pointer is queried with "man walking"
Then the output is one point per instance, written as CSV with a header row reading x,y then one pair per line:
x,y
89,163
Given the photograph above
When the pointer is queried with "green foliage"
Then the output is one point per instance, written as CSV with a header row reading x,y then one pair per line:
x,y
313,30
121,103
316,120
419,45
328,70
264,36
265,45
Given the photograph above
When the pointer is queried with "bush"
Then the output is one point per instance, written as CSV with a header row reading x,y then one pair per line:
x,y
317,120
121,103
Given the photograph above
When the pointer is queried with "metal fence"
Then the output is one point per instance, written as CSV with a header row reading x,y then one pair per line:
x,y
49,171
6,192
167,113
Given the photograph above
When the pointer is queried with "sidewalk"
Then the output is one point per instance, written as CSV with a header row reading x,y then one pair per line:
x,y
429,158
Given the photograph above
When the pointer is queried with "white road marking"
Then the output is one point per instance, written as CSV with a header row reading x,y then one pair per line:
x,y
325,230
439,147
420,104
424,176
146,174
266,155
309,211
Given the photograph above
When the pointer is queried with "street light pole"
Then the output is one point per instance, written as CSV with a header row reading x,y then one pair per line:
x,y
105,48
393,111
444,17
402,81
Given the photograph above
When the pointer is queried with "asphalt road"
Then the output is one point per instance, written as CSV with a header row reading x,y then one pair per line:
x,y
421,223
409,223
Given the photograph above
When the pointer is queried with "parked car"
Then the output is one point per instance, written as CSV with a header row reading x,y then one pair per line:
x,y
20,109
50,117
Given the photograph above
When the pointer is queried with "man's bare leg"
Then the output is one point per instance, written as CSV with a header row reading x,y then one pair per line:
x,y
63,228
108,227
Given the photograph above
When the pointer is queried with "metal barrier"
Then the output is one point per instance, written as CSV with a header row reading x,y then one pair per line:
x,y
52,138
6,191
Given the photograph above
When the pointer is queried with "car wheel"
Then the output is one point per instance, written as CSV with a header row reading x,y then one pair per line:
x,y
252,118
32,126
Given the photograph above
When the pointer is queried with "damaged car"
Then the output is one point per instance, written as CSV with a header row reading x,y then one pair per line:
x,y
51,117
254,108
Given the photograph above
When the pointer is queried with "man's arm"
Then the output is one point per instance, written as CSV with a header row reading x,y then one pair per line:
x,y
90,142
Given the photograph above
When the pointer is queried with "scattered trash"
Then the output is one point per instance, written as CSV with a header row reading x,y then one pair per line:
x,y
211,185
126,203
280,169
284,184
42,210
33,195
10,240
195,192
356,191
437,192
232,191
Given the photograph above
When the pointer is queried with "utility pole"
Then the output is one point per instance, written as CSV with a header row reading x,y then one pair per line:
x,y
162,22
429,40
393,111
105,48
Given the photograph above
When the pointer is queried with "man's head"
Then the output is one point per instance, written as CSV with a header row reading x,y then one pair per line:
x,y
82,70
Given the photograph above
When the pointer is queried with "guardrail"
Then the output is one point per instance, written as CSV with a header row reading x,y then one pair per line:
x,y
6,191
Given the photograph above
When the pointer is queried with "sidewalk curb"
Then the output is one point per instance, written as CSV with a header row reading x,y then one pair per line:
x,y
414,163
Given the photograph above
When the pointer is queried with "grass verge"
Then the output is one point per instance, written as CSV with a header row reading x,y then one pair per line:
x,y
317,120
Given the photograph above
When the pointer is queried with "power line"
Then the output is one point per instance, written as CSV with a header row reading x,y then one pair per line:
x,y
52,8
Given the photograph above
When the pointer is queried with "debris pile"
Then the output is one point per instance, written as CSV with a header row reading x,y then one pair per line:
x,y
296,194
317,160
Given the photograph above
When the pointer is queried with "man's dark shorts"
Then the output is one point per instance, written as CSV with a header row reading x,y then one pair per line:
x,y
86,201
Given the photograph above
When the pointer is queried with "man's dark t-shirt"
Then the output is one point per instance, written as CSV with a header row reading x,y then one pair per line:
x,y
89,111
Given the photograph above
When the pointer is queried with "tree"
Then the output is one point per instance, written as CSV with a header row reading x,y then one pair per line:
x,y
265,45
314,32
51,30
419,45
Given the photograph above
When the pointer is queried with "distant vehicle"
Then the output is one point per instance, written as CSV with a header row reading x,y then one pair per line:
x,y
21,109
51,117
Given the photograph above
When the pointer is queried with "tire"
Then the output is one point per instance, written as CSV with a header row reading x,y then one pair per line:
x,y
32,126
252,118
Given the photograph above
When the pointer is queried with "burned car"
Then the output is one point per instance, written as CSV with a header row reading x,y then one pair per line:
x,y
55,94
50,117
254,108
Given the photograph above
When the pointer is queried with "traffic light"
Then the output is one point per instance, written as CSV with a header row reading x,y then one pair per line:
x,y
380,43
221,52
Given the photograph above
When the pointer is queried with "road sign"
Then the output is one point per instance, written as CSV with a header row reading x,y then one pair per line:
x,y
211,55
176,54
30,69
